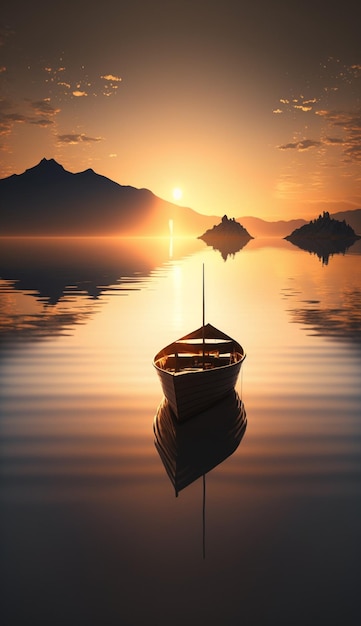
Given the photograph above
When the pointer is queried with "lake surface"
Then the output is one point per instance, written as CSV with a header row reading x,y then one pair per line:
x,y
91,530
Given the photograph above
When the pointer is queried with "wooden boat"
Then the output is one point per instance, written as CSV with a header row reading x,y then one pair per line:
x,y
199,369
191,449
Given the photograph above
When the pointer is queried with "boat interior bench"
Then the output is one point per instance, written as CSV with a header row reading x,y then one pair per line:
x,y
178,362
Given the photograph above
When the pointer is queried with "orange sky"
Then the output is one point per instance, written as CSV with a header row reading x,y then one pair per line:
x,y
250,111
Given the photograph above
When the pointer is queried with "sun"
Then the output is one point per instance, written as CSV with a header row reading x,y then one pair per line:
x,y
177,193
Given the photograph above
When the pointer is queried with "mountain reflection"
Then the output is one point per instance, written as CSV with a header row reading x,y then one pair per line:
x,y
193,448
40,322
49,267
65,278
90,266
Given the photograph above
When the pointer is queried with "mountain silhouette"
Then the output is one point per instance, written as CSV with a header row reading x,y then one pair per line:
x,y
263,228
352,218
49,200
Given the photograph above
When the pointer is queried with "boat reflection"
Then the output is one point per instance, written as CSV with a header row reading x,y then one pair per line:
x,y
191,449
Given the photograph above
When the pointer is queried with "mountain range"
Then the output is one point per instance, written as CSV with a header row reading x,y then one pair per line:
x,y
49,200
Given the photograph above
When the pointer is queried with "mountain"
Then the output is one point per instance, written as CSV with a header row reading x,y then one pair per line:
x,y
262,228
48,200
353,218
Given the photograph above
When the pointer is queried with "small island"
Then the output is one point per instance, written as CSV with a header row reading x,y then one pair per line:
x,y
228,236
324,236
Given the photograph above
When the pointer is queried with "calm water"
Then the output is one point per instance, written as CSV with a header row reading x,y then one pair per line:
x,y
91,530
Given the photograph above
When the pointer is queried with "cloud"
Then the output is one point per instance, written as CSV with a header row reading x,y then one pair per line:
x,y
299,104
44,107
332,141
66,82
111,77
110,88
74,139
350,143
349,120
350,123
42,115
302,107
7,121
324,113
301,146
55,85
353,151
41,122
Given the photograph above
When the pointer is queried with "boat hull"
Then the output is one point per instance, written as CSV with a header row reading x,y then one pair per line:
x,y
190,393
198,370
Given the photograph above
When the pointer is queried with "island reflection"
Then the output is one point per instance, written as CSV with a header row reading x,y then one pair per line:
x,y
324,250
339,323
227,248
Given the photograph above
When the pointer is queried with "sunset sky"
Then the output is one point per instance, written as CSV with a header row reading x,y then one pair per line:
x,y
249,108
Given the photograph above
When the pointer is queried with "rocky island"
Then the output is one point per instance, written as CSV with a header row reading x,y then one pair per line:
x,y
228,236
324,236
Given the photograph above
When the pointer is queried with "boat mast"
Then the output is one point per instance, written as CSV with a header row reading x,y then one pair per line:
x,y
204,516
203,299
203,320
